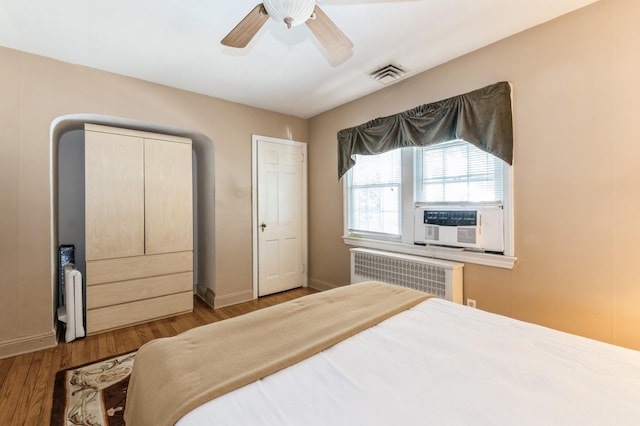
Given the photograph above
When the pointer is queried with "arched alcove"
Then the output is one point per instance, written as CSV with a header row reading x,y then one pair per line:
x,y
204,202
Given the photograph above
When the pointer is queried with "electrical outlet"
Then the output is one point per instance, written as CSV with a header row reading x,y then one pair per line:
x,y
471,303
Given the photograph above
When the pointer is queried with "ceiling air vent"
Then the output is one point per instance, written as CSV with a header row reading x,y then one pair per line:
x,y
388,73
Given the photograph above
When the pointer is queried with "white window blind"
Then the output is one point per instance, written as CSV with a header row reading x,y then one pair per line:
x,y
375,194
457,172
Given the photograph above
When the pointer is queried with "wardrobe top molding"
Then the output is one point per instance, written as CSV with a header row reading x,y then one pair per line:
x,y
135,133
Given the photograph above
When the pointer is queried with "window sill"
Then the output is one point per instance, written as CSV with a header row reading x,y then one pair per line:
x,y
437,252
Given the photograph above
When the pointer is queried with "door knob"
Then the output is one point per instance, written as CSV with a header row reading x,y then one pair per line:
x,y
263,225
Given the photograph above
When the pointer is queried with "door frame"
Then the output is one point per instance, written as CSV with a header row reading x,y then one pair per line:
x,y
254,206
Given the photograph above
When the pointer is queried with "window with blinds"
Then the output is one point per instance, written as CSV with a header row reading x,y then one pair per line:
x,y
382,191
457,172
375,195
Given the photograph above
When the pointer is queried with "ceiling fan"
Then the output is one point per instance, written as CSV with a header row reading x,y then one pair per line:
x,y
292,13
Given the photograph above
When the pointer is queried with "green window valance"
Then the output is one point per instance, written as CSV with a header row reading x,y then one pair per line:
x,y
481,117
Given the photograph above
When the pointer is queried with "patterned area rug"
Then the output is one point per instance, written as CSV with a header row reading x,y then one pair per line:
x,y
92,394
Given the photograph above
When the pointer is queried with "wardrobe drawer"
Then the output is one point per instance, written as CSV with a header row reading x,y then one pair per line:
x,y
126,314
131,268
145,288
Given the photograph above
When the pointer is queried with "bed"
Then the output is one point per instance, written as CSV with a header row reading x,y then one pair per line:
x,y
429,361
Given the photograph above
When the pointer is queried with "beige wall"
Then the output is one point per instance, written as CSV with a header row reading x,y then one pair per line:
x,y
36,90
576,85
576,123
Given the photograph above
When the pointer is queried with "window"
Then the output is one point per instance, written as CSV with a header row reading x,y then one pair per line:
x,y
457,172
382,190
375,195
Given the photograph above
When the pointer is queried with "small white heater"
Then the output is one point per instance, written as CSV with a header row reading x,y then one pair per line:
x,y
72,311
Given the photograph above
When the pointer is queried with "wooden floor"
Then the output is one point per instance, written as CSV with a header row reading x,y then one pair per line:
x,y
26,381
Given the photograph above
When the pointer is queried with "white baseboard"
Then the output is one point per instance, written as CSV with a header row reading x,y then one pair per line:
x,y
321,285
206,295
233,298
28,344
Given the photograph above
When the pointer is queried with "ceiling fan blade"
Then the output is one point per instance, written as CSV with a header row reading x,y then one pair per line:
x,y
337,45
246,29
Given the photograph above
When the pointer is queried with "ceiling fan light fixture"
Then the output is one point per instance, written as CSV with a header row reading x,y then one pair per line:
x,y
291,12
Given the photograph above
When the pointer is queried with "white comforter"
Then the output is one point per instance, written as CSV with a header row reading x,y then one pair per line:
x,y
444,364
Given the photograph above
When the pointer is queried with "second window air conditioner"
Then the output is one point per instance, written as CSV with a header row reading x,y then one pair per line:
x,y
480,227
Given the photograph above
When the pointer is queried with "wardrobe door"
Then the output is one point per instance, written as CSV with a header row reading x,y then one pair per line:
x,y
114,195
168,197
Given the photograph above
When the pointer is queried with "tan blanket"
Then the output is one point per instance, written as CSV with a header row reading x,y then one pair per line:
x,y
174,375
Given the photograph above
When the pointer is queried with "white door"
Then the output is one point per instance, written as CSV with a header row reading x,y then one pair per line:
x,y
280,226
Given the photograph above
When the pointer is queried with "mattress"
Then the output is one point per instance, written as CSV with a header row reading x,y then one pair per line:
x,y
446,364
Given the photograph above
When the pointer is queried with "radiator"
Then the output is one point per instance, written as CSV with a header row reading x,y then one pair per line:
x,y
72,311
438,277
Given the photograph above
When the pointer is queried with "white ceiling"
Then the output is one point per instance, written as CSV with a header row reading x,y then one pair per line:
x,y
177,43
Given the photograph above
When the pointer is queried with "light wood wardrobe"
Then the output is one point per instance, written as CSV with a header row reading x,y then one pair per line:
x,y
138,226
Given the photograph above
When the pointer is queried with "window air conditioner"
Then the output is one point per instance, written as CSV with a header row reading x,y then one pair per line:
x,y
476,227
